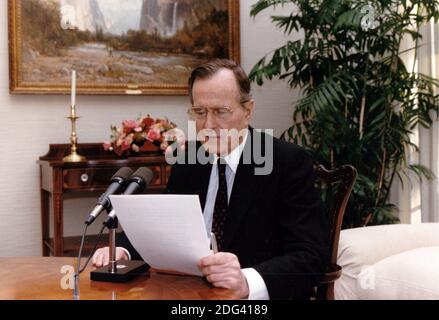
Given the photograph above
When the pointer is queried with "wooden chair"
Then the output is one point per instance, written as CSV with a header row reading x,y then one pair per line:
x,y
338,184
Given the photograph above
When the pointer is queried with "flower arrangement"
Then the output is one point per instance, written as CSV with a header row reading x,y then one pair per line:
x,y
134,135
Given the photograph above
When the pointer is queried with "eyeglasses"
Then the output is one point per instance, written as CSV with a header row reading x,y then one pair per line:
x,y
200,113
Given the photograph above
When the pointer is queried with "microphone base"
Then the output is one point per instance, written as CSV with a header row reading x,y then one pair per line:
x,y
126,271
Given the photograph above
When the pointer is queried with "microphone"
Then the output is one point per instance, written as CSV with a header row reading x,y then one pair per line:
x,y
137,183
117,184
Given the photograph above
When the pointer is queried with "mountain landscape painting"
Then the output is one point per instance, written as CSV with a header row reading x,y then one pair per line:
x,y
149,45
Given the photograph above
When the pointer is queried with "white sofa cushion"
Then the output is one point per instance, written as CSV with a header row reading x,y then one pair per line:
x,y
360,248
410,275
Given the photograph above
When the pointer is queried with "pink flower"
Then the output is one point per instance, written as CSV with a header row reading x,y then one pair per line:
x,y
125,145
129,125
107,145
148,121
154,134
138,129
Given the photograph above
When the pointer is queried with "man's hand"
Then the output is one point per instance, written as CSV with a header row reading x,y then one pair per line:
x,y
224,270
102,256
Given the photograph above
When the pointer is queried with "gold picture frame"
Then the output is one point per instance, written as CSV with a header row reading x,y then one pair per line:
x,y
123,70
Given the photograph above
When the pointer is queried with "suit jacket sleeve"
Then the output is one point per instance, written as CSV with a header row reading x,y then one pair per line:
x,y
302,225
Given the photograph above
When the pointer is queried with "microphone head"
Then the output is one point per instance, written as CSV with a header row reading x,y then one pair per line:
x,y
145,174
123,173
139,181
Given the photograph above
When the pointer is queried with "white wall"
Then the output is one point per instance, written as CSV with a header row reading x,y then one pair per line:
x,y
29,123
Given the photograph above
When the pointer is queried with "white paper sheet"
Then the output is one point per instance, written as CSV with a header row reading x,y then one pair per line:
x,y
168,231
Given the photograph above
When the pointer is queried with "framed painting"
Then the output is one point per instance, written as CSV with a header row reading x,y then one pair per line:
x,y
116,46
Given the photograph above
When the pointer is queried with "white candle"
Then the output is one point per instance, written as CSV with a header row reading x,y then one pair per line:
x,y
73,97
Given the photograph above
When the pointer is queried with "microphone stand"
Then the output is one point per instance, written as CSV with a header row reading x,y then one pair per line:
x,y
123,271
112,266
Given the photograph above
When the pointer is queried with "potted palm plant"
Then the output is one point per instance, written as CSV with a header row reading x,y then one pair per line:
x,y
360,100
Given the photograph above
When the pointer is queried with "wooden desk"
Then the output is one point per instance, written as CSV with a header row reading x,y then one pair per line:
x,y
40,278
58,178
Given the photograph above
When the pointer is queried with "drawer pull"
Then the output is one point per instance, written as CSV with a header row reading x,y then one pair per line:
x,y
84,177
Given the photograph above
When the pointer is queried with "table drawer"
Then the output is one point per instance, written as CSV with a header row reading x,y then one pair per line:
x,y
99,178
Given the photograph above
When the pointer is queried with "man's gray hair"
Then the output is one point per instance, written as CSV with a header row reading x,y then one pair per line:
x,y
208,69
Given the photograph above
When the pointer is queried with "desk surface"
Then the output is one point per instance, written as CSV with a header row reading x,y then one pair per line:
x,y
39,278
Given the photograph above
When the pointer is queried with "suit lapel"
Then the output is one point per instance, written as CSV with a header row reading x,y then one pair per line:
x,y
199,176
244,191
203,173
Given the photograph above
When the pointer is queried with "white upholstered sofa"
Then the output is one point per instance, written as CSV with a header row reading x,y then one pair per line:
x,y
389,262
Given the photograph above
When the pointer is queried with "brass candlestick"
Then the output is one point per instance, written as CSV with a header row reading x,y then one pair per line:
x,y
73,156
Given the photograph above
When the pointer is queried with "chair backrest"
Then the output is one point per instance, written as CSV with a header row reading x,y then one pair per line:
x,y
336,187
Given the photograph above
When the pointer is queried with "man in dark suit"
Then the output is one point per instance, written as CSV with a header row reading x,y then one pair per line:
x,y
270,226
